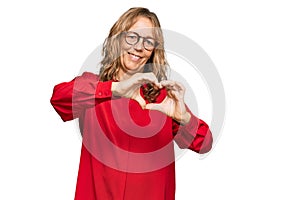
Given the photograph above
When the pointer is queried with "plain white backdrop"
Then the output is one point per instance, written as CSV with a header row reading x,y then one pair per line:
x,y
255,46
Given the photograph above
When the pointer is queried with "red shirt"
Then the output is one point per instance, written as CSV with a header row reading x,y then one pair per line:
x,y
127,152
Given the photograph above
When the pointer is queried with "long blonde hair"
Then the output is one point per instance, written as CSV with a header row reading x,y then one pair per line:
x,y
111,51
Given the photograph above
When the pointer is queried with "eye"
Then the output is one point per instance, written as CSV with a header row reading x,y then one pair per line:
x,y
131,38
149,42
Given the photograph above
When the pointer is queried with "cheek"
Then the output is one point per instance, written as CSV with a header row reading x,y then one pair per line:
x,y
125,46
148,55
123,58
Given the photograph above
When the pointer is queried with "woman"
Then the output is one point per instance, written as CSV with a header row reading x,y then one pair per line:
x,y
129,116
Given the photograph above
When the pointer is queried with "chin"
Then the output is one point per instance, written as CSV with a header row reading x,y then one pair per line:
x,y
134,67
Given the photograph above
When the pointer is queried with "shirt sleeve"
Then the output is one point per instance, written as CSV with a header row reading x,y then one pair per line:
x,y
70,99
195,135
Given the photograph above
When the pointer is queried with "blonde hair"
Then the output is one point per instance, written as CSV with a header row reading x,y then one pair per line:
x,y
111,51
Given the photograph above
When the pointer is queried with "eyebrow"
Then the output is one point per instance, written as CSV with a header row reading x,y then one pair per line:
x,y
150,37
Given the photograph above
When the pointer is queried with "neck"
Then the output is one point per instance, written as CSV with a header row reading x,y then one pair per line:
x,y
121,76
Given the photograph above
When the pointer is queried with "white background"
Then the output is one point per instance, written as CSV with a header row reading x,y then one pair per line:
x,y
255,46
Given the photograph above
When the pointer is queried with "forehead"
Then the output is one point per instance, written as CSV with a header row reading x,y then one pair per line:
x,y
143,26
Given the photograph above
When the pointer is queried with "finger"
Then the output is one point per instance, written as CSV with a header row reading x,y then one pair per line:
x,y
148,78
140,100
167,83
175,95
173,85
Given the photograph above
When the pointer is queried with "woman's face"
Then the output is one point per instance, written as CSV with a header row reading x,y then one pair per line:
x,y
135,56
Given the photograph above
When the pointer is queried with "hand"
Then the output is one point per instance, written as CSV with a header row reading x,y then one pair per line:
x,y
130,88
173,105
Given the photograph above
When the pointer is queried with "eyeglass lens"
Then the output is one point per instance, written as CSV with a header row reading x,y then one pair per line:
x,y
133,38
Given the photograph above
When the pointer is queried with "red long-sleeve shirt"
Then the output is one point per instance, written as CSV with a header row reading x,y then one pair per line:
x,y
127,152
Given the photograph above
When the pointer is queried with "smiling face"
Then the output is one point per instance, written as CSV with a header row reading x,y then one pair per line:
x,y
135,56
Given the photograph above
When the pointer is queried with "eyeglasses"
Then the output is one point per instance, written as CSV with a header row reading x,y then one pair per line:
x,y
133,38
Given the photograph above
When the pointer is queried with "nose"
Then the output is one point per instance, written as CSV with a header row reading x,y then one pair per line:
x,y
139,45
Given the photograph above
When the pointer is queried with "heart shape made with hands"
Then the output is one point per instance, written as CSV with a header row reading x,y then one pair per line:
x,y
149,94
166,96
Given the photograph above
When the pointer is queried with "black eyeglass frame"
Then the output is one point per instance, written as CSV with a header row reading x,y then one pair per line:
x,y
138,39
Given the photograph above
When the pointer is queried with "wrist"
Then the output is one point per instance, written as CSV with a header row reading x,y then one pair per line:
x,y
185,118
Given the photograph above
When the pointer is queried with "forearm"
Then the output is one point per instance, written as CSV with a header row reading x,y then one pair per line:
x,y
70,99
194,135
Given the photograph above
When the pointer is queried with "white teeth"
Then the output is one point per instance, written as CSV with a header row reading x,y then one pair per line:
x,y
134,55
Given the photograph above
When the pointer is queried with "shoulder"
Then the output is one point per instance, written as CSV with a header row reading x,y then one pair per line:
x,y
90,75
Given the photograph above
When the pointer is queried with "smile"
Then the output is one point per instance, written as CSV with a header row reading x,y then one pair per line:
x,y
134,57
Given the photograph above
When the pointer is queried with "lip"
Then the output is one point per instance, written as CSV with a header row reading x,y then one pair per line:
x,y
134,57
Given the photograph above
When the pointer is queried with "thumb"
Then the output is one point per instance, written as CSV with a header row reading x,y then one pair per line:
x,y
140,100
